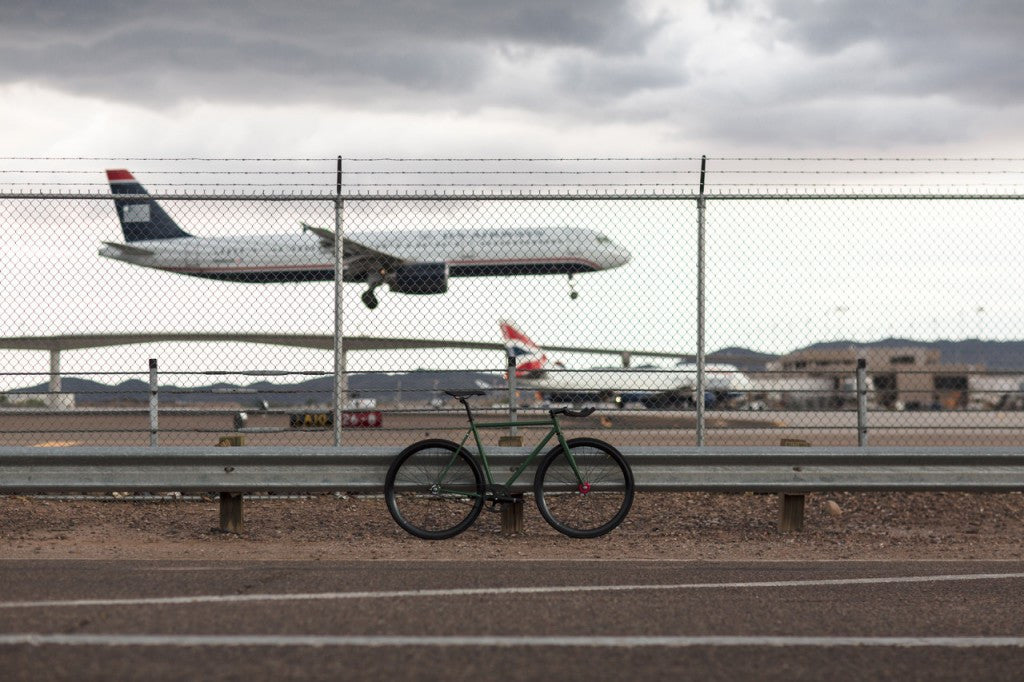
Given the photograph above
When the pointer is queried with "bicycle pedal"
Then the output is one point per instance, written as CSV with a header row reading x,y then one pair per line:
x,y
499,502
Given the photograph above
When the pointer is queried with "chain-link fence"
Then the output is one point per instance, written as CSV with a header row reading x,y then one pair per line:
x,y
731,316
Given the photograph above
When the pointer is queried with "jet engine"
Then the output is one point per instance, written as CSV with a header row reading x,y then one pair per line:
x,y
419,278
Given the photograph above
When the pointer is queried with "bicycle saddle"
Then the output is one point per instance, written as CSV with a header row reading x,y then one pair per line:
x,y
585,412
464,394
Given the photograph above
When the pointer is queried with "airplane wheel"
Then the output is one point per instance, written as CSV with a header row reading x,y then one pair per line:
x,y
574,295
369,300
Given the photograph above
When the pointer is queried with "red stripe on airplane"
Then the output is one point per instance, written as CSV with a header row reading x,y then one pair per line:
x,y
512,333
114,175
330,266
502,261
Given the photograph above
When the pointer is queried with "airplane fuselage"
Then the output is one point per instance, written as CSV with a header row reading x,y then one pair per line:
x,y
305,257
633,384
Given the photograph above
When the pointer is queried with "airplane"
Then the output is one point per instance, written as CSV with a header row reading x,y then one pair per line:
x,y
408,261
649,385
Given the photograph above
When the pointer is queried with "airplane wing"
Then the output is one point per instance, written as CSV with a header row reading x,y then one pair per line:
x,y
130,250
326,236
357,258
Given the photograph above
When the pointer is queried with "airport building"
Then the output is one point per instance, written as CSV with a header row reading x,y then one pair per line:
x,y
910,377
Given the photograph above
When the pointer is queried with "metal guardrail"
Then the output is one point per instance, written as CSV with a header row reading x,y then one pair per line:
x,y
356,469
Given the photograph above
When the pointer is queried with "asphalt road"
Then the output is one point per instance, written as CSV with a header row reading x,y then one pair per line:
x,y
517,620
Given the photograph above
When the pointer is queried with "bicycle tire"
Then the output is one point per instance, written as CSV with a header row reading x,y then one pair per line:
x,y
434,489
591,508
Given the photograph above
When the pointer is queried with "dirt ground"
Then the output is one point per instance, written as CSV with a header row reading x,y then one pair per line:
x,y
686,526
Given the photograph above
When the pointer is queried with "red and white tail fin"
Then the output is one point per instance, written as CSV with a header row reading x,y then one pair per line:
x,y
529,356
142,218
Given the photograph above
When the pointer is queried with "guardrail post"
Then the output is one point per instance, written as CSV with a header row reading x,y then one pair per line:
x,y
231,503
154,404
862,402
791,505
231,512
791,513
512,516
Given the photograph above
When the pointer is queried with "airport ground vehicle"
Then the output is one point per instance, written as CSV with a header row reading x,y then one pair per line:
x,y
435,489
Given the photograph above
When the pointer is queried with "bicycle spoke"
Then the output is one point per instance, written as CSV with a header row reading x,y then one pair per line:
x,y
592,504
433,490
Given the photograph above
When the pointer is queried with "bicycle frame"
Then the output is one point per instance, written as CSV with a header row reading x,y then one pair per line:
x,y
555,431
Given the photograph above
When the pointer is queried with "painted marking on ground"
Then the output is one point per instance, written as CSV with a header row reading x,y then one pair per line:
x,y
129,640
496,591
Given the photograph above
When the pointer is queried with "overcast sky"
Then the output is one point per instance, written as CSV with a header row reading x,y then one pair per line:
x,y
544,78
531,77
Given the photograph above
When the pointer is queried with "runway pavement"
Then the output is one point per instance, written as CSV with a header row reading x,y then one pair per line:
x,y
518,620
625,428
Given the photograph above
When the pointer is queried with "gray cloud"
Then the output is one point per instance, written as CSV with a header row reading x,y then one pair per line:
x,y
784,72
612,79
317,50
967,50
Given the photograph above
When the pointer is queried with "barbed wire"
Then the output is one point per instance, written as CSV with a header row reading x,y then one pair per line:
x,y
368,176
548,159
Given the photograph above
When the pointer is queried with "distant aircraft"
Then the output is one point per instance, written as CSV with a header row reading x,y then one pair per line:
x,y
408,261
651,386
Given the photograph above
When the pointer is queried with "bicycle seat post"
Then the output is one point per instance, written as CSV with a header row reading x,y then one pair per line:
x,y
469,413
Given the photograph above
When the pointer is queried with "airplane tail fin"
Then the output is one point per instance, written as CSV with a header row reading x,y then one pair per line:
x,y
529,357
141,219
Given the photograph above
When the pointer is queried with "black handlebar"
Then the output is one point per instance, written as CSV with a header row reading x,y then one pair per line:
x,y
585,412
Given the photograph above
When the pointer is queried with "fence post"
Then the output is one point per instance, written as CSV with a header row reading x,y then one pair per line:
x,y
512,402
862,402
340,388
153,404
701,380
513,439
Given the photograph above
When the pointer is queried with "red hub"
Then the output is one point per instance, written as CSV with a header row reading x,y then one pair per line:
x,y
584,488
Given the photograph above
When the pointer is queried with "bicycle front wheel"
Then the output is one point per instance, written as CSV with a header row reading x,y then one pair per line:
x,y
592,503
434,489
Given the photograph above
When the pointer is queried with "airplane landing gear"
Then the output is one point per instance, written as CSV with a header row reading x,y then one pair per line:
x,y
573,294
369,298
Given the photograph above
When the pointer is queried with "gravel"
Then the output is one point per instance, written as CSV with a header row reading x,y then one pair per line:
x,y
687,526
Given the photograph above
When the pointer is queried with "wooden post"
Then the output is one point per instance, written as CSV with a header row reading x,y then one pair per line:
x,y
791,505
512,516
231,512
231,503
791,513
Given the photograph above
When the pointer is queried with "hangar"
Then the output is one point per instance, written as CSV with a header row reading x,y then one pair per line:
x,y
910,377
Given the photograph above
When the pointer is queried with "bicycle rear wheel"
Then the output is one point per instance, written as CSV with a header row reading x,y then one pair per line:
x,y
434,489
592,504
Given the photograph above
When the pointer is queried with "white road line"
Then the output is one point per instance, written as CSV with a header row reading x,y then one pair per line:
x,y
497,591
127,640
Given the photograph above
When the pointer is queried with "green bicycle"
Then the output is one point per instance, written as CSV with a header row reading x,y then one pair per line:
x,y
583,487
